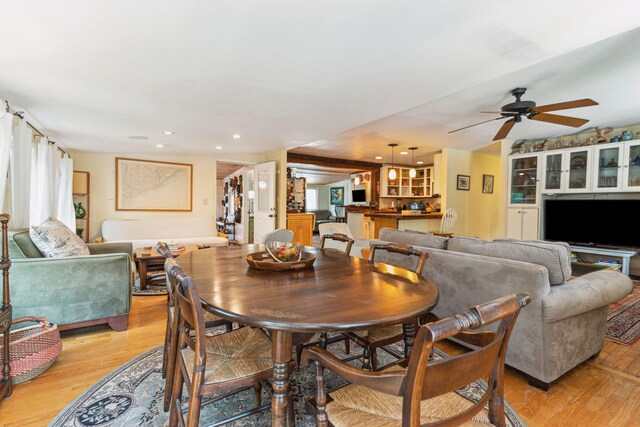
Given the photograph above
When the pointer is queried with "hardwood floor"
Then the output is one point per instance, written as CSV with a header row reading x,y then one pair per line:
x,y
600,392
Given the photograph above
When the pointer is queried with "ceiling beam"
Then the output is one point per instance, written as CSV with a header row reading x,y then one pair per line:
x,y
331,162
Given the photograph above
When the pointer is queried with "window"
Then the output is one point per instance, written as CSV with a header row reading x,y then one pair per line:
x,y
311,194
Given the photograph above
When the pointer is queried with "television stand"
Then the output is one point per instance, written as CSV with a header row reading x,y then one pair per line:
x,y
625,256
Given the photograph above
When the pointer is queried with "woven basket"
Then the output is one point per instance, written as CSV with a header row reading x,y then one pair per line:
x,y
32,349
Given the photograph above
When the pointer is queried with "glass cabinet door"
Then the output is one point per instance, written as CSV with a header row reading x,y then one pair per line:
x,y
524,178
552,172
632,170
578,168
608,168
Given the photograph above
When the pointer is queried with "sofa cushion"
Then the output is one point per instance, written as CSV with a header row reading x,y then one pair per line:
x,y
54,239
413,238
554,257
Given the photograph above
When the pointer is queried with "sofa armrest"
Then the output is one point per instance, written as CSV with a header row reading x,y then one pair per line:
x,y
110,248
585,293
72,289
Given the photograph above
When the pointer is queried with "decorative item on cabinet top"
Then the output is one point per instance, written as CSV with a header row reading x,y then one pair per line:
x,y
592,136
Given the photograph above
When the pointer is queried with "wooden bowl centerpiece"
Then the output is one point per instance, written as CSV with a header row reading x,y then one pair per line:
x,y
280,256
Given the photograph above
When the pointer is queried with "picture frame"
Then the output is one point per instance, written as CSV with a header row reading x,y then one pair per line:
x,y
149,185
336,195
487,184
463,182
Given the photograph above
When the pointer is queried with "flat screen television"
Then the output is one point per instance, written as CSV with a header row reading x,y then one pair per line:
x,y
358,196
607,223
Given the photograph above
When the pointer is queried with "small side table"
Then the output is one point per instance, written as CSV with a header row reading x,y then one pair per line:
x,y
148,258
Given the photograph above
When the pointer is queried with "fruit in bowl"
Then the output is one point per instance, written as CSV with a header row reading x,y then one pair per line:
x,y
284,252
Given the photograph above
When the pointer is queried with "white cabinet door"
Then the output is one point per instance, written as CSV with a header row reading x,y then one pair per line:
x,y
577,166
524,170
552,173
607,167
631,166
529,223
514,223
522,223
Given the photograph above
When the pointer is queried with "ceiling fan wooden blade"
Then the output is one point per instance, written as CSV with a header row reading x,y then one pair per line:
x,y
476,124
559,120
504,130
565,105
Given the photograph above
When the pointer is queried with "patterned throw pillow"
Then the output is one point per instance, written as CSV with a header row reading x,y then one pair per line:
x,y
54,239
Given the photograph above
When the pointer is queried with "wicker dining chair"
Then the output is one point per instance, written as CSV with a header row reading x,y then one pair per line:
x,y
423,392
399,255
222,364
171,334
321,339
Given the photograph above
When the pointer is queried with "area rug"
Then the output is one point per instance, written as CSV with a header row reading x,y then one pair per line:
x,y
623,318
132,395
157,286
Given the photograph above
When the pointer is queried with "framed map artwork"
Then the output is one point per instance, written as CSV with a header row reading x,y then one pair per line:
x,y
147,185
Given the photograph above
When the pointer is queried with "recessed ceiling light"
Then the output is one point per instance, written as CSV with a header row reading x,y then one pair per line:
x,y
138,137
159,145
378,157
404,153
236,136
168,132
420,162
218,147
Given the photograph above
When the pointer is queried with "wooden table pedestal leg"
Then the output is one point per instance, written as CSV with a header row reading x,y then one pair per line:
x,y
409,330
282,347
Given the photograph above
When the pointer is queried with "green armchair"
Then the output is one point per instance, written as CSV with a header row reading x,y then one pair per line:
x,y
72,291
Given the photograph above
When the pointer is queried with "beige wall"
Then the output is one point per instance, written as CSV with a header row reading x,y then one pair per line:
x,y
101,167
479,214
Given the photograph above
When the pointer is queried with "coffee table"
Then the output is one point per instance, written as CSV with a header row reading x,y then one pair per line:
x,y
148,258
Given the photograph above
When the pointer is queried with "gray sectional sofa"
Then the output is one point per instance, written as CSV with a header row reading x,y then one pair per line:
x,y
71,291
564,324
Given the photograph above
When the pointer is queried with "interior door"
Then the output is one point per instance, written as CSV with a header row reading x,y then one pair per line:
x,y
265,199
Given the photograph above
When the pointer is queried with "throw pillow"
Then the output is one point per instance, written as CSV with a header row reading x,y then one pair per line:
x,y
54,239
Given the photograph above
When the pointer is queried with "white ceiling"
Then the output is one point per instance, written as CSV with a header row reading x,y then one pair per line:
x,y
346,77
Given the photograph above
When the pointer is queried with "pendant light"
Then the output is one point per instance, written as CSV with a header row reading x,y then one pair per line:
x,y
392,171
412,171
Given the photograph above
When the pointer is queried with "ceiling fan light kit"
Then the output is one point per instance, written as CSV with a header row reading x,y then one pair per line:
x,y
516,110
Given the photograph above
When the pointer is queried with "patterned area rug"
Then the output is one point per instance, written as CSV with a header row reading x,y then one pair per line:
x,y
623,318
132,395
155,285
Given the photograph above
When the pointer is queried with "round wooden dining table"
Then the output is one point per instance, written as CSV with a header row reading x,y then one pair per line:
x,y
338,293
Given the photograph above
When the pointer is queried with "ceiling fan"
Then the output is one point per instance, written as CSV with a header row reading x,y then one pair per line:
x,y
515,110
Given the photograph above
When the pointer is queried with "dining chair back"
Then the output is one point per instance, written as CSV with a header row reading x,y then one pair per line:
x,y
280,235
403,256
338,237
427,385
242,357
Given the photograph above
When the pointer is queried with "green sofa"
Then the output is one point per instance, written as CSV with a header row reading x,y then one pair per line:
x,y
72,291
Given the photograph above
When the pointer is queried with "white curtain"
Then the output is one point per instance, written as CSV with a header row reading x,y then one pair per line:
x,y
6,135
66,211
44,183
20,172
